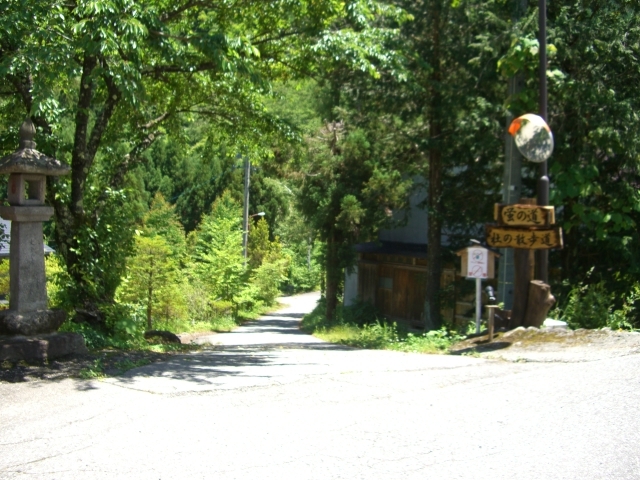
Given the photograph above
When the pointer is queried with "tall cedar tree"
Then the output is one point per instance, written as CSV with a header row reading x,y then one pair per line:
x,y
349,189
446,118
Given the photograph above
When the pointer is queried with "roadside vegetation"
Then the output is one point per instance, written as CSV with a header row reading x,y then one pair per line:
x,y
359,326
184,284
593,306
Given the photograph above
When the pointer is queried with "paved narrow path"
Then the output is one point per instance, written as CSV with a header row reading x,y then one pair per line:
x,y
269,402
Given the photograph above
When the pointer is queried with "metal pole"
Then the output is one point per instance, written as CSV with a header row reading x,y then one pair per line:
x,y
245,213
542,256
512,179
478,303
511,193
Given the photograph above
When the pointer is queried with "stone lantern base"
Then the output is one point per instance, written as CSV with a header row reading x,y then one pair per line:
x,y
30,323
40,348
32,337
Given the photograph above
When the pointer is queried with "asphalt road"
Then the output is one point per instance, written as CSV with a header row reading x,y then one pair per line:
x,y
270,402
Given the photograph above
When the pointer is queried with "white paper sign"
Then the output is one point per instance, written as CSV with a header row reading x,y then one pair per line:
x,y
478,262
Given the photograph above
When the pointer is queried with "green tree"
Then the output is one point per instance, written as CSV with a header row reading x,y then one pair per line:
x,y
152,278
300,244
218,259
595,168
444,115
348,191
162,220
104,79
260,248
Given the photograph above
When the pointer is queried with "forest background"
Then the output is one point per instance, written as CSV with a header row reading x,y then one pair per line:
x,y
339,105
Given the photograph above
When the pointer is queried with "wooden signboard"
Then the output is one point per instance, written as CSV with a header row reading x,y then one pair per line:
x,y
510,237
522,215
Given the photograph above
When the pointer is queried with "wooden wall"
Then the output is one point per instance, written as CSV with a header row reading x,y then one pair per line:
x,y
396,285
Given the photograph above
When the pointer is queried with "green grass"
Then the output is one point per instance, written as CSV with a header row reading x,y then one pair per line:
x,y
374,333
96,371
169,347
127,364
219,324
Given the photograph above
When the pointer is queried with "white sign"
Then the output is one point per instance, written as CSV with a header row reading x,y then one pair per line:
x,y
478,262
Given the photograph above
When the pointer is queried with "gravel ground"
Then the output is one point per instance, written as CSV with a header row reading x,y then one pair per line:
x,y
552,345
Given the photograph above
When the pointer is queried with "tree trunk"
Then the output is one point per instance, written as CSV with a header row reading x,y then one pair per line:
x,y
332,277
539,303
149,321
150,299
434,269
523,269
434,247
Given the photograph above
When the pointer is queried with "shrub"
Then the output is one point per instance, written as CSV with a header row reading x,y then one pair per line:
x,y
593,306
360,326
360,313
268,277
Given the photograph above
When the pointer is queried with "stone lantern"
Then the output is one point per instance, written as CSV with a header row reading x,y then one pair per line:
x,y
28,313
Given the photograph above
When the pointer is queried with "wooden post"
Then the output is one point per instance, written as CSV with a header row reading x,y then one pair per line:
x,y
539,302
522,264
491,312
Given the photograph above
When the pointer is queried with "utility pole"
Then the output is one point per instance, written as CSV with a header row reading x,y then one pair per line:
x,y
245,212
542,256
512,179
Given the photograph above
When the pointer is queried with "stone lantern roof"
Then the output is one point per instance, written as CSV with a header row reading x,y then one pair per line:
x,y
28,160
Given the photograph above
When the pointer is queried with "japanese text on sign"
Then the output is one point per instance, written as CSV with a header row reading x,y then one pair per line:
x,y
523,238
524,215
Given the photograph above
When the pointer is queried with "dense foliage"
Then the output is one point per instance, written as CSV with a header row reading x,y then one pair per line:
x,y
342,107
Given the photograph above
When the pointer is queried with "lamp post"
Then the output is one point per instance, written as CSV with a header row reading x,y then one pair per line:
x,y
245,235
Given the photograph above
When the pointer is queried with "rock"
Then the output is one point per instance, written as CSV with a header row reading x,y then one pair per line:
x,y
514,331
30,323
166,336
550,323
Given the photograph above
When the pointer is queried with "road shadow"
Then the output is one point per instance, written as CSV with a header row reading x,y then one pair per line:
x,y
215,365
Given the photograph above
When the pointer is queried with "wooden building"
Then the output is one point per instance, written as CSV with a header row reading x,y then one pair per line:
x,y
391,273
392,276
